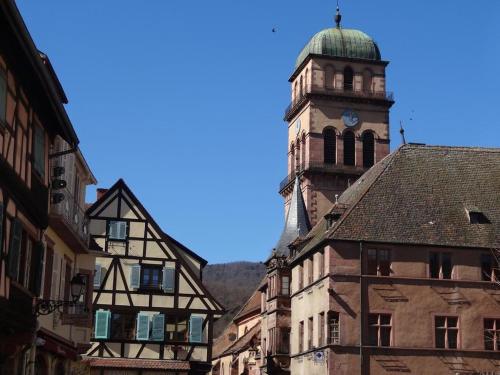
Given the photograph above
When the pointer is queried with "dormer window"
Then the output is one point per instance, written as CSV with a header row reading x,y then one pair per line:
x,y
117,230
477,217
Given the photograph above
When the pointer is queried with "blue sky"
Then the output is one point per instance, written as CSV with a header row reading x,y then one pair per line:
x,y
184,100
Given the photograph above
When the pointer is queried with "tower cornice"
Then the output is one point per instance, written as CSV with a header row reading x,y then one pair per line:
x,y
296,72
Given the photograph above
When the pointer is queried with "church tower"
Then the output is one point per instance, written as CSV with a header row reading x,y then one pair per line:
x,y
338,118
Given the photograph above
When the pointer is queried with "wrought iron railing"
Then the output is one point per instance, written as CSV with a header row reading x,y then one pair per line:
x,y
314,89
69,209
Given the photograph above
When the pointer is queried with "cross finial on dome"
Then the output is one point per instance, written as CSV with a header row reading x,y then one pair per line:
x,y
338,16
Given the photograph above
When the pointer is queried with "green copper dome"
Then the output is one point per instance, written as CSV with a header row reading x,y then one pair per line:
x,y
338,42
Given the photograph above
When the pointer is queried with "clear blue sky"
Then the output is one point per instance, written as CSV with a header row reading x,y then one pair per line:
x,y
185,99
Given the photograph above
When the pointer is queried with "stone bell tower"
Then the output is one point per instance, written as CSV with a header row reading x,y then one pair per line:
x,y
338,118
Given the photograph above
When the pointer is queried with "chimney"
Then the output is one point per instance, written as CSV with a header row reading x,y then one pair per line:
x,y
100,192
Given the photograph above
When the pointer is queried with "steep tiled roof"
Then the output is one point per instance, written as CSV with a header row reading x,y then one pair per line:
x,y
244,341
225,340
251,306
138,363
421,195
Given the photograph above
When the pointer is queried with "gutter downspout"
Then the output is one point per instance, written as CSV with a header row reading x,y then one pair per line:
x,y
362,310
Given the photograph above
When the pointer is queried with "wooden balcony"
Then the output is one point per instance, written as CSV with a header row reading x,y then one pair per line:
x,y
68,219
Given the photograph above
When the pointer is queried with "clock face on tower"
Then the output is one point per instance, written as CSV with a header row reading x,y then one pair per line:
x,y
350,118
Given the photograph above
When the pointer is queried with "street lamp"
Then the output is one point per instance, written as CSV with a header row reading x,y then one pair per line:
x,y
48,306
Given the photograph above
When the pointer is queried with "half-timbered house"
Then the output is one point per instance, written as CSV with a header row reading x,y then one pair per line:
x,y
152,312
32,114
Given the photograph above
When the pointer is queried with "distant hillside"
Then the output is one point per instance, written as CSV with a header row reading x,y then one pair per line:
x,y
232,284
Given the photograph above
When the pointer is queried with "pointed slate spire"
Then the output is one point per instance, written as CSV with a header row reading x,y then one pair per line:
x,y
296,222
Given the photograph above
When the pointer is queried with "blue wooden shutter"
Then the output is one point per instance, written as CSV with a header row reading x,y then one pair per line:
x,y
15,248
97,275
117,230
142,332
102,320
39,252
196,329
1,227
122,230
158,329
168,282
135,276
113,229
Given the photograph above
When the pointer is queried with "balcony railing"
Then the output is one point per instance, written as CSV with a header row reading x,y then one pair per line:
x,y
323,167
72,215
320,90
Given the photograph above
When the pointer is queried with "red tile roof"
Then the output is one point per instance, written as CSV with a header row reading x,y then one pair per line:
x,y
138,363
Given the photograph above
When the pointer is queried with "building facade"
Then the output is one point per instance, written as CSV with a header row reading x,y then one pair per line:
x,y
152,313
32,117
237,350
400,274
64,335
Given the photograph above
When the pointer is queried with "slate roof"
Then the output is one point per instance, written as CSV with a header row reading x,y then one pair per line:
x,y
251,306
420,195
296,222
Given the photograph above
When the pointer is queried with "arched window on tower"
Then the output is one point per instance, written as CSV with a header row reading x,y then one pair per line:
x,y
329,146
348,78
301,92
292,158
368,149
306,81
329,77
367,81
349,148
303,150
297,155
295,98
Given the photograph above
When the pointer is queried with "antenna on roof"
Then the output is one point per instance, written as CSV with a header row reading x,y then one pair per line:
x,y
338,16
402,132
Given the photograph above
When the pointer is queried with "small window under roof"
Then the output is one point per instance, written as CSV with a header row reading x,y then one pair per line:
x,y
477,217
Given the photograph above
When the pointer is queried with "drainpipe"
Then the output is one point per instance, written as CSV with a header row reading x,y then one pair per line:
x,y
362,310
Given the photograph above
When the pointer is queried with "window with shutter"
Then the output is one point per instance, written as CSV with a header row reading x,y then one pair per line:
x,y
15,248
196,329
135,276
97,275
117,230
48,273
3,97
158,329
56,267
101,328
38,259
39,150
142,333
168,279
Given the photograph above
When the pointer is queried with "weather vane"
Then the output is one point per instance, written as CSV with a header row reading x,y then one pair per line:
x,y
338,16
